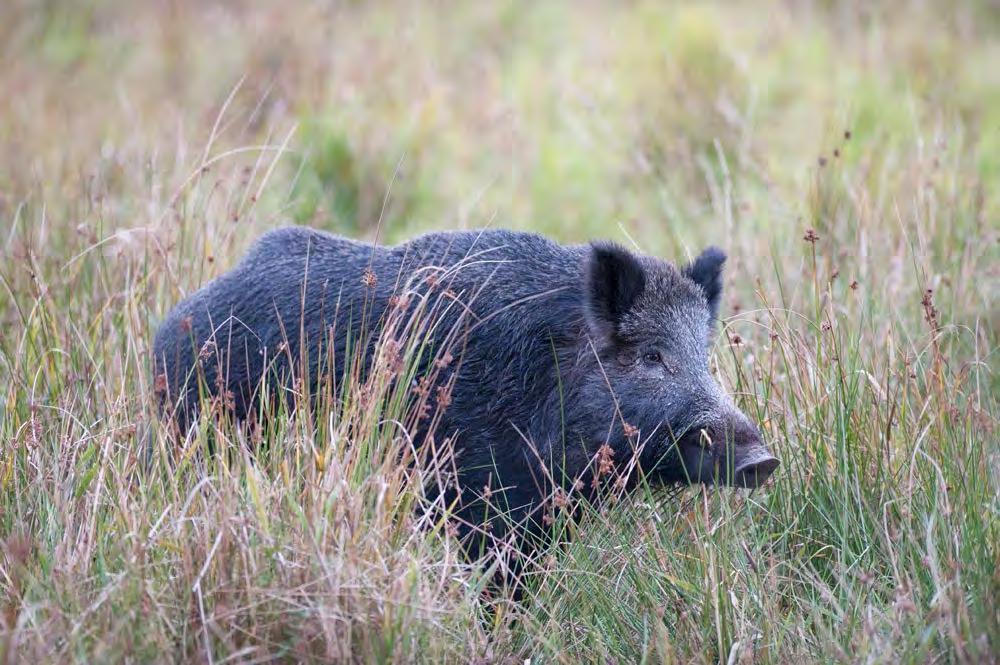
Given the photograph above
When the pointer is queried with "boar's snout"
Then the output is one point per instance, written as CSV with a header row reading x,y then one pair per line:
x,y
730,451
752,462
753,472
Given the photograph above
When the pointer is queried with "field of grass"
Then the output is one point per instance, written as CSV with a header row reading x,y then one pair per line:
x,y
846,155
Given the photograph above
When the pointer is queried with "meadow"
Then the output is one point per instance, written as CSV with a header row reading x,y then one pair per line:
x,y
845,154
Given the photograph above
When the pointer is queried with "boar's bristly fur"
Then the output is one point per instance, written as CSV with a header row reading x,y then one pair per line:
x,y
570,355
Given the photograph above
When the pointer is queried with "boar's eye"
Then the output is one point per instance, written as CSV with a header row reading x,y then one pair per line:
x,y
653,358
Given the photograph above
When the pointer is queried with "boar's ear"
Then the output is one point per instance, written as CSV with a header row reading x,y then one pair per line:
x,y
706,272
615,278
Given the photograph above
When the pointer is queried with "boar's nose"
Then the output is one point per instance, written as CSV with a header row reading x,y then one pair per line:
x,y
755,470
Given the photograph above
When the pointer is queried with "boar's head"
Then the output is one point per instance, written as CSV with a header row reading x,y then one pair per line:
x,y
651,325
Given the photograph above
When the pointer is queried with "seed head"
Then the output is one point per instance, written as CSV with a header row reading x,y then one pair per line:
x,y
443,397
930,311
205,352
605,463
399,302
393,351
445,360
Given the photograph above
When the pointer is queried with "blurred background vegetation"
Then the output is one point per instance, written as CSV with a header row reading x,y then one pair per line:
x,y
679,122
145,145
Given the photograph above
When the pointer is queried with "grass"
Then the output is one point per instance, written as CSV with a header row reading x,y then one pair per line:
x,y
846,157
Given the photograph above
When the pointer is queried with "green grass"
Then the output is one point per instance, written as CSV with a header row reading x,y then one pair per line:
x,y
144,146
